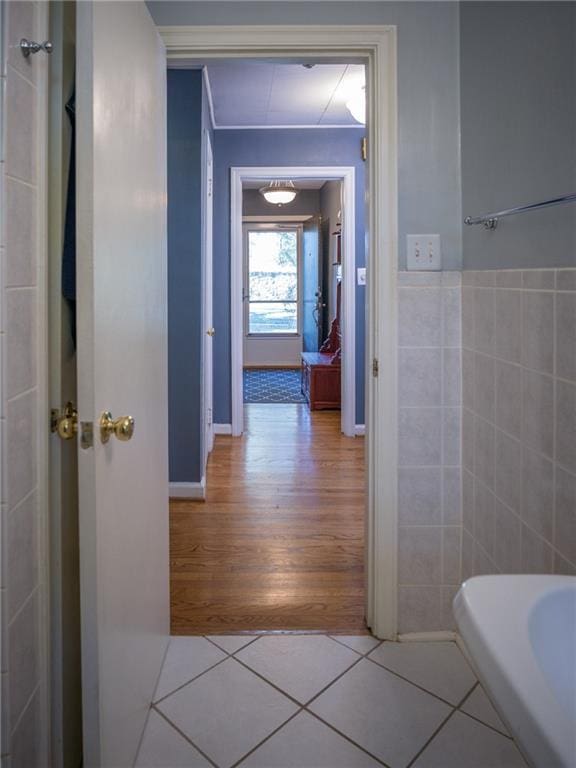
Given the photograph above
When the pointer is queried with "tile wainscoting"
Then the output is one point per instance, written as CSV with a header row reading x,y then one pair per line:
x,y
22,575
519,421
429,448
487,432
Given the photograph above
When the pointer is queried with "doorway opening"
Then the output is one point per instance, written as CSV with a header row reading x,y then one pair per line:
x,y
284,490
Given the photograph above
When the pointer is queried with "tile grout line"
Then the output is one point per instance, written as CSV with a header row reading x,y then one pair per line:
x,y
478,686
416,685
192,680
184,736
261,743
304,707
347,738
230,655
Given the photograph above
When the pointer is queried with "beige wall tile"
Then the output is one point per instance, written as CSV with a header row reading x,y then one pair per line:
x,y
507,528
419,554
484,517
484,451
484,386
21,553
21,125
538,278
537,508
484,320
21,460
451,542
420,376
21,351
419,609
508,344
23,657
420,437
566,335
21,235
452,504
566,425
420,495
538,330
451,377
538,412
509,398
565,515
420,317
508,470
537,555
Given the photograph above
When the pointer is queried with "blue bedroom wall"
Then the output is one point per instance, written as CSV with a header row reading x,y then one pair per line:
x,y
187,121
304,147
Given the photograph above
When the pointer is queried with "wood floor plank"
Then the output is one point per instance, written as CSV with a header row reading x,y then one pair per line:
x,y
278,545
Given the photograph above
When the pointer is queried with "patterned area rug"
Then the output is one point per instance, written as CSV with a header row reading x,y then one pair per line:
x,y
273,385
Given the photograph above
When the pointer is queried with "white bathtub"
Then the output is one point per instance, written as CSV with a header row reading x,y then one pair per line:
x,y
520,632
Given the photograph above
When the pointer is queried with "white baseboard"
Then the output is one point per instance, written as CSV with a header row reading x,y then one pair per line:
x,y
360,429
427,637
188,490
222,429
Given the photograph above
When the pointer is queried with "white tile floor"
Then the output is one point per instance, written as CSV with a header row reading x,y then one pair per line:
x,y
314,701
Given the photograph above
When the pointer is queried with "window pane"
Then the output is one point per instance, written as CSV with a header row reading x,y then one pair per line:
x,y
273,266
272,318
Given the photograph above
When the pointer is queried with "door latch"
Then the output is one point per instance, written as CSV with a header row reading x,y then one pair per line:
x,y
64,422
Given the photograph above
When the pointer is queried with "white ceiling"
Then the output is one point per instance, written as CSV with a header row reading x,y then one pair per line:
x,y
253,94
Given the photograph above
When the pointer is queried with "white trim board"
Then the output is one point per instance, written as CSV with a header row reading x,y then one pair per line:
x,y
377,45
222,429
360,430
188,490
209,97
345,174
272,219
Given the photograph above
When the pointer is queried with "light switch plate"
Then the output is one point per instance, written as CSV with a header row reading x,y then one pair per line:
x,y
361,275
423,252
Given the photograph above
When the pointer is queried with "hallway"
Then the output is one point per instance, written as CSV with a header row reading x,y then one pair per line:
x,y
279,542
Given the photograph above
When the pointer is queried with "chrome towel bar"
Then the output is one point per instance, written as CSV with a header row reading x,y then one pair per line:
x,y
490,220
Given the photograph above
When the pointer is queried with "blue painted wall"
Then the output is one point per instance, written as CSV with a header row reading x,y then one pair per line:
x,y
429,194
304,147
187,117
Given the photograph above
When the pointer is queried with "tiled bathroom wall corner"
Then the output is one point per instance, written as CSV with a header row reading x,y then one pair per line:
x,y
429,447
519,421
22,663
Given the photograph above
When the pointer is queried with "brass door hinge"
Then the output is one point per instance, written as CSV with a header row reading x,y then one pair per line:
x,y
364,148
375,367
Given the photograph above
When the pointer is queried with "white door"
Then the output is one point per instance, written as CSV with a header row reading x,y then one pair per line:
x,y
122,368
207,292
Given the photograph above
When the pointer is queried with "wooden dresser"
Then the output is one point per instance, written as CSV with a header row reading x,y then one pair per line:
x,y
321,380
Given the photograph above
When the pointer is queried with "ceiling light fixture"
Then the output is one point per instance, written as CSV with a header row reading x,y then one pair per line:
x,y
279,192
356,105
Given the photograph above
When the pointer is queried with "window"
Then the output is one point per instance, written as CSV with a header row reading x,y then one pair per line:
x,y
272,282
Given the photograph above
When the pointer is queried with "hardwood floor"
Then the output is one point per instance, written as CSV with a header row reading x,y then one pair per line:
x,y
279,542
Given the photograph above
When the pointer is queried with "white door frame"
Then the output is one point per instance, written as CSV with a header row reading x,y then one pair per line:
x,y
377,45
345,174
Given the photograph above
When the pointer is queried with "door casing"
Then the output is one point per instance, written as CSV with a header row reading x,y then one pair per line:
x,y
376,46
345,174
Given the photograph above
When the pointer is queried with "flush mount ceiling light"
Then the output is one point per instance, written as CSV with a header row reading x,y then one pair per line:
x,y
356,105
279,192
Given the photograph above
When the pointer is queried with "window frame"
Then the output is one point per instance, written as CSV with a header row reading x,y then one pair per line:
x,y
272,227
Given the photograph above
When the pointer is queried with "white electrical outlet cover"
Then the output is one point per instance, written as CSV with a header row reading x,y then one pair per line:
x,y
361,275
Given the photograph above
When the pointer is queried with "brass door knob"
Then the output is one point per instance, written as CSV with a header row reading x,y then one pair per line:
x,y
122,427
211,331
65,422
